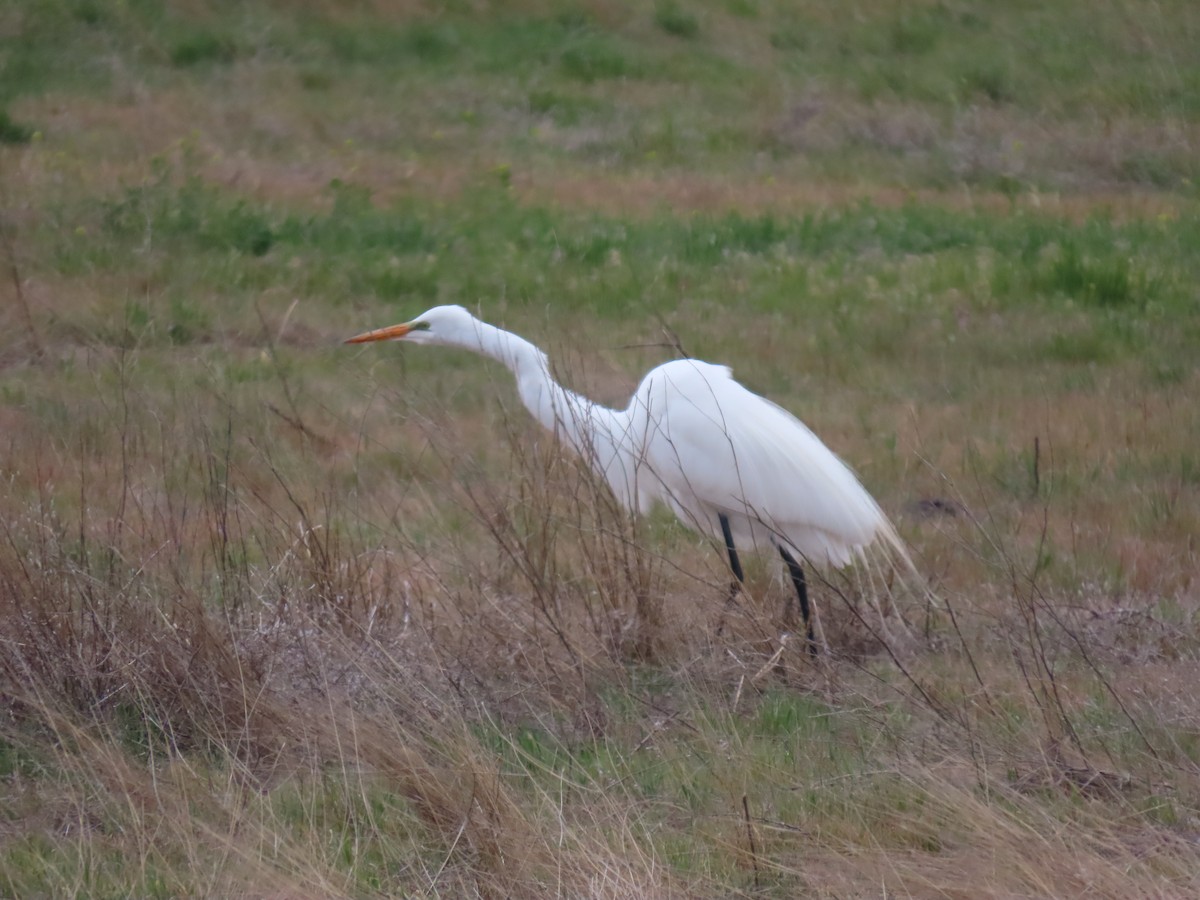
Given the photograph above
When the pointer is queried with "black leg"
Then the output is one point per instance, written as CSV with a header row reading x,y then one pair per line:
x,y
801,584
734,562
736,565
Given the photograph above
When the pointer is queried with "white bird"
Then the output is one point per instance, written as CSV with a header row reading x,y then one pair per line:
x,y
726,461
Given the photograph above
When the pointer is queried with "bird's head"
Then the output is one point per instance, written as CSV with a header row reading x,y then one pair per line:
x,y
440,325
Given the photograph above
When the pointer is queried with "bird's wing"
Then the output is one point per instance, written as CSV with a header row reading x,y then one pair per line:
x,y
710,442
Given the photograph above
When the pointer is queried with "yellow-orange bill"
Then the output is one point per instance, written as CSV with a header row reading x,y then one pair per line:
x,y
392,332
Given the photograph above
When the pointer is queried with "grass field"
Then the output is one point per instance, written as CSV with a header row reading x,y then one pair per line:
x,y
283,618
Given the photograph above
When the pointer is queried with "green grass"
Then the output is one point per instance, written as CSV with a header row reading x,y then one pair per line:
x,y
1103,291
284,617
921,96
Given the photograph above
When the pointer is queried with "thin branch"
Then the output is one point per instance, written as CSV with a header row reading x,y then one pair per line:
x,y
296,419
672,338
750,836
14,274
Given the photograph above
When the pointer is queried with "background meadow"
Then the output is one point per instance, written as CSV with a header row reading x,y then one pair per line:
x,y
285,618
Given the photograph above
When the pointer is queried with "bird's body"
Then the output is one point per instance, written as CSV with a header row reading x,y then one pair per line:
x,y
711,447
726,461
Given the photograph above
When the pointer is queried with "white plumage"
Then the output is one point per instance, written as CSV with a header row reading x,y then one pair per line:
x,y
696,440
713,447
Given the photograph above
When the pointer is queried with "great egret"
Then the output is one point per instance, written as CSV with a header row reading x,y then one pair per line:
x,y
726,461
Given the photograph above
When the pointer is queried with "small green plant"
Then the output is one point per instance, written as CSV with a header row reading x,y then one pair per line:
x,y
1107,281
203,47
315,80
594,58
189,321
916,34
675,20
246,230
431,42
1156,170
991,81
12,132
89,12
565,108
789,39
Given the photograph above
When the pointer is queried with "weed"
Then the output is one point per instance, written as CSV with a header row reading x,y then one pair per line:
x,y
992,83
12,132
432,42
675,20
565,109
789,39
1103,283
203,47
918,33
592,57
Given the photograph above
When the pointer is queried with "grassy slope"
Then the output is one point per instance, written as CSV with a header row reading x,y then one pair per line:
x,y
286,619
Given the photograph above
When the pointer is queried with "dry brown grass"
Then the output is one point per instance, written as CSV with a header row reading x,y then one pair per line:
x,y
197,592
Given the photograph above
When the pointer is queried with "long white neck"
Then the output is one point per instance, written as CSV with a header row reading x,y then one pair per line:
x,y
581,422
